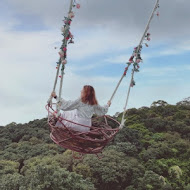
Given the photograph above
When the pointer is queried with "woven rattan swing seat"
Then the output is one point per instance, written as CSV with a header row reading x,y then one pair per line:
x,y
91,142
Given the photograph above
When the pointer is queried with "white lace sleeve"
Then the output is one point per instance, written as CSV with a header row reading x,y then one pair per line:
x,y
70,105
101,110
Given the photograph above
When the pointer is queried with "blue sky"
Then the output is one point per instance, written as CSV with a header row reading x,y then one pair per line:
x,y
105,34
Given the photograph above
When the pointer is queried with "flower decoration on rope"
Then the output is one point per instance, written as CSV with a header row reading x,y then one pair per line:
x,y
132,83
158,14
78,6
64,62
65,49
68,37
136,67
71,15
67,21
61,53
71,41
135,58
147,37
126,69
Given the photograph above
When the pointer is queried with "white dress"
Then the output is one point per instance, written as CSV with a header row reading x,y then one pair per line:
x,y
81,113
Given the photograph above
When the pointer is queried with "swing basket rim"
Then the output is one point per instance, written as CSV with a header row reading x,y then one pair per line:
x,y
72,136
91,127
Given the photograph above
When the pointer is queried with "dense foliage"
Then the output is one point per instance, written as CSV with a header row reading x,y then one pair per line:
x,y
151,152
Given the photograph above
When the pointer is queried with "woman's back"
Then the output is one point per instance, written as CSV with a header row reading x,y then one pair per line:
x,y
84,110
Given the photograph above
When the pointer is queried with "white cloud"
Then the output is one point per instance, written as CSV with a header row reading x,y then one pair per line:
x,y
178,48
157,71
120,59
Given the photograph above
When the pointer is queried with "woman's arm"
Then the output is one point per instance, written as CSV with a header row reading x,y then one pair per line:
x,y
70,105
101,110
67,105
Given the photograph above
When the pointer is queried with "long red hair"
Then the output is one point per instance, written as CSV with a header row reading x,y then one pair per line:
x,y
88,95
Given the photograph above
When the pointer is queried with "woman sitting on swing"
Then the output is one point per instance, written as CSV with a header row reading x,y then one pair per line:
x,y
81,110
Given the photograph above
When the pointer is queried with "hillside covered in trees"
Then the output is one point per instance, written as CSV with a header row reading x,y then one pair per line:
x,y
152,152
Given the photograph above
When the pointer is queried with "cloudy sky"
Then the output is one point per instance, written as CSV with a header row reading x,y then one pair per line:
x,y
105,31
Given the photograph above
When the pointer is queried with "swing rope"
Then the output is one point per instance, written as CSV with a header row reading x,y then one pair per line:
x,y
65,46
128,93
135,63
124,74
62,61
55,83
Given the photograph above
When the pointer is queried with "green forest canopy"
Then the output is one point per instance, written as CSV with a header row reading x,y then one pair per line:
x,y
151,152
